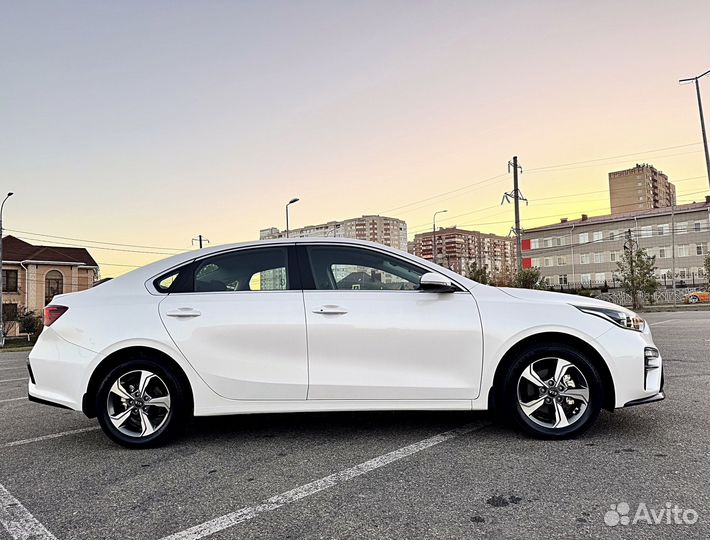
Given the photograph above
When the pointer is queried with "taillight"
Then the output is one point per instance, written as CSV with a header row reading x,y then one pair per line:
x,y
52,313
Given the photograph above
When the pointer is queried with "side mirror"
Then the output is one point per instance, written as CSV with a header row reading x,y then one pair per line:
x,y
433,282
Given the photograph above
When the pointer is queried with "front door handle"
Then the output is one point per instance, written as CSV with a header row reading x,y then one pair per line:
x,y
183,312
330,310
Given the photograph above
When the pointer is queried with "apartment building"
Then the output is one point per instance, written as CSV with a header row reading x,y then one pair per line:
x,y
33,274
640,188
458,248
381,229
585,251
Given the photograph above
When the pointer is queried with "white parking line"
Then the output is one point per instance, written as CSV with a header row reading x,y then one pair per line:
x,y
661,322
244,514
46,437
18,521
8,368
14,380
12,399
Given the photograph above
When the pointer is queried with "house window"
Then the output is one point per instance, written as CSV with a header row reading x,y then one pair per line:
x,y
583,238
547,242
698,226
683,251
663,229
535,243
646,232
681,228
584,258
598,236
548,261
563,279
662,252
9,280
612,235
586,279
698,249
9,312
612,256
598,257
600,277
53,285
561,261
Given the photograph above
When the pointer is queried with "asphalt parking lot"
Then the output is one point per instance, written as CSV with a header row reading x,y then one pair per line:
x,y
364,475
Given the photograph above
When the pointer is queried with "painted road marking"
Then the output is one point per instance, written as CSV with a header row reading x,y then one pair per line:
x,y
14,380
244,514
46,437
662,322
12,399
7,368
18,521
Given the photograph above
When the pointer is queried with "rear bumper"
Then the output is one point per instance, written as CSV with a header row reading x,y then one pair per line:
x,y
58,371
45,402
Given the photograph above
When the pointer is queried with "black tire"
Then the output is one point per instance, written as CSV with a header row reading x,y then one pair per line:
x,y
166,425
694,299
543,356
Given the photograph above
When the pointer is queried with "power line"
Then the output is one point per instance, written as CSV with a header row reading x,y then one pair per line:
x,y
94,241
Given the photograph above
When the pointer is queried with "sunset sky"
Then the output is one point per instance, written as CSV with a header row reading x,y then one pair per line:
x,y
146,123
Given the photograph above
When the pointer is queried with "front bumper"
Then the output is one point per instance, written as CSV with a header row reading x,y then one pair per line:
x,y
658,397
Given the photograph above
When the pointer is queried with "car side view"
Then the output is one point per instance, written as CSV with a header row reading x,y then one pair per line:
x,y
696,297
315,324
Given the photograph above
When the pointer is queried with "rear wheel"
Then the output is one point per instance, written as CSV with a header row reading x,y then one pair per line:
x,y
552,392
140,404
694,299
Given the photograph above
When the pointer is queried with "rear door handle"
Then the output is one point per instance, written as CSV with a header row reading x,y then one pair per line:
x,y
330,310
183,312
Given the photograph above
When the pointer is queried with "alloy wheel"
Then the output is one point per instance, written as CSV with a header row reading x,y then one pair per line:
x,y
553,393
138,403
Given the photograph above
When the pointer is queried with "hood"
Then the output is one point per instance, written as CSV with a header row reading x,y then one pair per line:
x,y
549,297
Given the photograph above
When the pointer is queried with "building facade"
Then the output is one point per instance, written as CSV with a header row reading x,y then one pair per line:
x,y
458,248
381,229
32,275
585,251
640,188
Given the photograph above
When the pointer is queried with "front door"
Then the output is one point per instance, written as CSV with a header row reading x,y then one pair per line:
x,y
372,335
242,325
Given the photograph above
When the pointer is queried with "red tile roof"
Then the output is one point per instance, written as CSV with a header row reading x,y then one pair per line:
x,y
14,249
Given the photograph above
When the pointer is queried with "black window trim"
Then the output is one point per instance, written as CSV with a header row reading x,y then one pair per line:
x,y
184,282
309,282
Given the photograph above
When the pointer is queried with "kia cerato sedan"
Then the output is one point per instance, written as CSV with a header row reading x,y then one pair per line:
x,y
332,325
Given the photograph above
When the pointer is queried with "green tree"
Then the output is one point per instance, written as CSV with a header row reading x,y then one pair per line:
x,y
477,274
528,278
707,265
636,270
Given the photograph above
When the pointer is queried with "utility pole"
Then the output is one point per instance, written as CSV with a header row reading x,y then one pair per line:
x,y
2,285
200,239
673,248
433,235
517,196
696,80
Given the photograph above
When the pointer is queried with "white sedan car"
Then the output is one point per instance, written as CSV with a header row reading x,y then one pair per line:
x,y
332,325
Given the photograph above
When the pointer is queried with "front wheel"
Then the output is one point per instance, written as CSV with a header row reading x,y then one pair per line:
x,y
140,404
553,392
694,299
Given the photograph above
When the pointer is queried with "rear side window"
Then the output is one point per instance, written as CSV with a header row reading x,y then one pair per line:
x,y
263,269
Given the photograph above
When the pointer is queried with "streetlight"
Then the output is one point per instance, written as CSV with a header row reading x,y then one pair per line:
x,y
2,285
294,200
702,121
433,235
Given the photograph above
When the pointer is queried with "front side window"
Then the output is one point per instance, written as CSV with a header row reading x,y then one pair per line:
x,y
347,268
262,269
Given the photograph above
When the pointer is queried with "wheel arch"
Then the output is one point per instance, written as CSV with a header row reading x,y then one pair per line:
x,y
549,338
127,353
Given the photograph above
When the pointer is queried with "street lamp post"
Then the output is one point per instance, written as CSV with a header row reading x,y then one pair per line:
x,y
433,235
702,120
2,285
294,200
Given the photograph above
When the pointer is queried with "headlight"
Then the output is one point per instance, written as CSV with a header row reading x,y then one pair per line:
x,y
625,319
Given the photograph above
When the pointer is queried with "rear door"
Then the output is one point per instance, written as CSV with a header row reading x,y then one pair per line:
x,y
240,323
